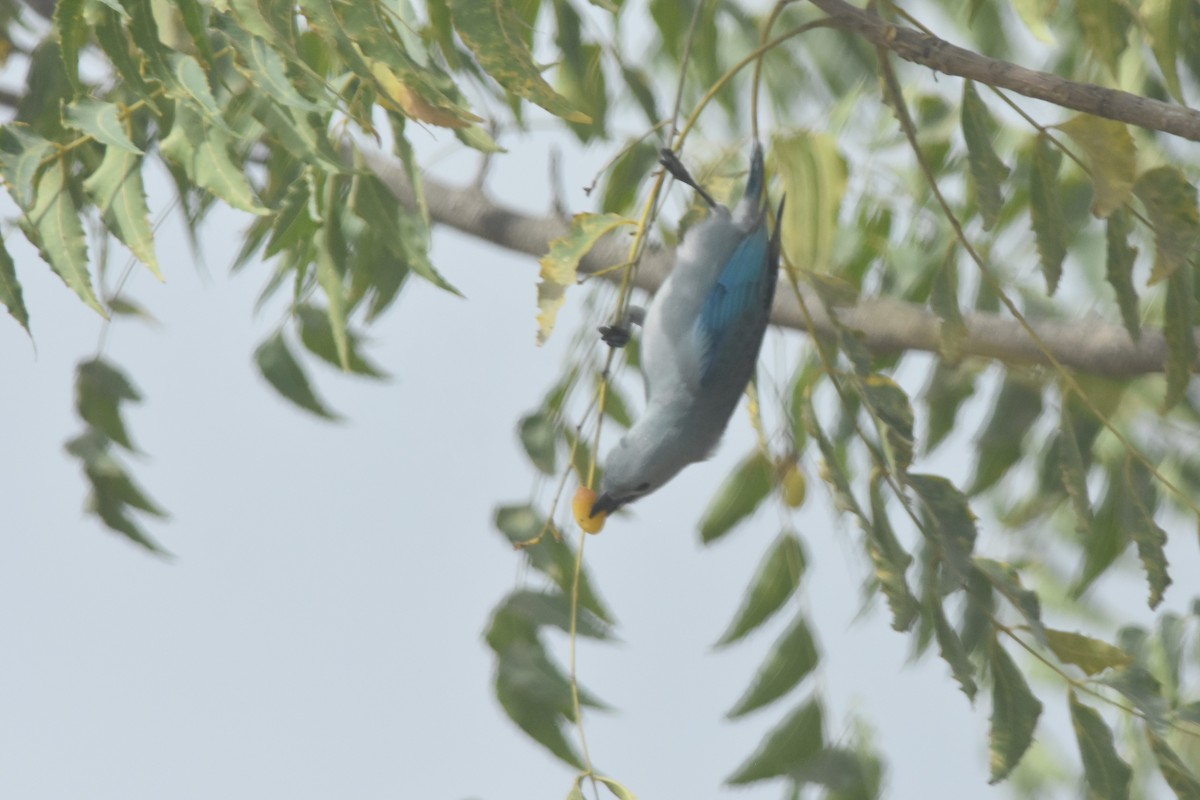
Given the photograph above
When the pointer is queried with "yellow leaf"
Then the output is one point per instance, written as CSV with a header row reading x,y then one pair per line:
x,y
1111,158
399,96
560,265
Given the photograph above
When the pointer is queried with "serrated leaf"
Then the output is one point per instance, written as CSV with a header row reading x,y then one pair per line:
x,y
1141,501
1105,25
987,170
1163,21
202,152
493,32
1090,655
1111,158
738,498
892,412
793,656
538,435
10,289
536,696
891,561
1118,266
559,265
1179,333
1170,203
1106,774
101,121
1005,579
100,389
1015,713
22,157
1072,471
265,67
1046,210
1183,781
1017,408
113,493
950,647
789,746
53,225
553,557
71,31
776,579
814,176
951,527
277,364
316,334
117,189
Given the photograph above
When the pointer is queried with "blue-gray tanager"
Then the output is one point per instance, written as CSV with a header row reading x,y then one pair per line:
x,y
700,342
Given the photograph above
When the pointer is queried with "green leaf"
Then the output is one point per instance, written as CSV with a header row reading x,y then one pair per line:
x,y
1018,406
1072,470
553,557
1163,20
1170,203
581,81
949,385
1142,689
890,408
71,31
1015,713
493,32
814,176
114,495
1141,502
1111,158
1179,332
987,170
10,289
639,86
1118,267
277,364
776,579
738,497
950,647
891,561
793,656
1034,14
536,696
627,175
202,151
1105,25
53,225
787,748
943,300
951,525
1090,655
1046,210
117,190
22,157
263,65
538,436
559,265
316,334
619,791
330,254
100,388
1182,780
1106,774
831,468
524,611
101,121
1007,581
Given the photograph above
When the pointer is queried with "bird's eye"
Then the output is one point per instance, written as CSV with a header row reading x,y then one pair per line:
x,y
644,487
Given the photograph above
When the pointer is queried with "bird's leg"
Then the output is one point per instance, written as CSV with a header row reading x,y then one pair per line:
x,y
673,165
618,335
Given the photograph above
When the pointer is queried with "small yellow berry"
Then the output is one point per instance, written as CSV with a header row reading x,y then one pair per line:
x,y
582,506
795,486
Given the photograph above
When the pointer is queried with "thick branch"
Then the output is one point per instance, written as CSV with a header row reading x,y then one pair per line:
x,y
930,51
887,325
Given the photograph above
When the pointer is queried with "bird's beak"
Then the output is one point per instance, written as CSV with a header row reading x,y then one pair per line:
x,y
605,504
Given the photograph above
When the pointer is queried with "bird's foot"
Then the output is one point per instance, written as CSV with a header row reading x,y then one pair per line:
x,y
615,335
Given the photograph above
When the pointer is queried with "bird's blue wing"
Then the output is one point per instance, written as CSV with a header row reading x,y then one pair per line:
x,y
738,292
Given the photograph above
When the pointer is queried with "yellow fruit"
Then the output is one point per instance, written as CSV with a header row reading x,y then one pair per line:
x,y
795,486
582,506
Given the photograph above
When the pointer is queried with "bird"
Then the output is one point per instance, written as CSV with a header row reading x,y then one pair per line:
x,y
700,339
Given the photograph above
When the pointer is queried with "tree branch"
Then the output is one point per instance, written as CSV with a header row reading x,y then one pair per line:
x,y
887,325
938,54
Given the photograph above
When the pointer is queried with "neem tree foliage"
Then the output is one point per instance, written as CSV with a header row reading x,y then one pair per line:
x,y
1031,234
